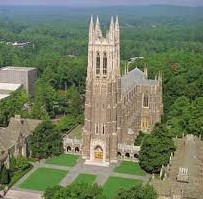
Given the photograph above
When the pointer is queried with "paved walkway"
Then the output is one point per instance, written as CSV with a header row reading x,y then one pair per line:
x,y
18,194
101,172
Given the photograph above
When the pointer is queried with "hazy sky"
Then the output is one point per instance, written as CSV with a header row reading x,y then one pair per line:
x,y
100,2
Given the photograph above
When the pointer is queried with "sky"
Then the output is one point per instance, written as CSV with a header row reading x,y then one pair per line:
x,y
90,3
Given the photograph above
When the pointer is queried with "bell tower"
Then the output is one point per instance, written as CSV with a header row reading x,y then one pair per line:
x,y
103,95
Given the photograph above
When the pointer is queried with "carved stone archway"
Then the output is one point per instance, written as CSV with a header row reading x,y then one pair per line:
x,y
98,153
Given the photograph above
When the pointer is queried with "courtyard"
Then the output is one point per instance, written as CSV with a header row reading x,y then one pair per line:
x,y
67,169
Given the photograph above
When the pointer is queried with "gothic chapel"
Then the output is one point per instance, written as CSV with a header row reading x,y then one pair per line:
x,y
117,107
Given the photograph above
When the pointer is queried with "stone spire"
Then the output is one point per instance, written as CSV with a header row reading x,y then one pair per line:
x,y
98,32
111,30
117,30
91,30
145,72
117,23
111,24
160,76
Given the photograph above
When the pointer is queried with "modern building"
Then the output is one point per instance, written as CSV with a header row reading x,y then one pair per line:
x,y
13,78
117,107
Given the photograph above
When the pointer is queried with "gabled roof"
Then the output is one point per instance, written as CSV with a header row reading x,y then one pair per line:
x,y
17,127
135,77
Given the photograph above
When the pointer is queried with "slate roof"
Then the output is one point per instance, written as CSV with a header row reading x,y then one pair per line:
x,y
17,126
188,154
135,77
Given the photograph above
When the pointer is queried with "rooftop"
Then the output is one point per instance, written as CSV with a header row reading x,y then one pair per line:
x,y
135,77
2,96
188,155
18,68
9,86
17,127
75,133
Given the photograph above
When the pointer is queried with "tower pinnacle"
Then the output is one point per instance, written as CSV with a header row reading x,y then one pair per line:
x,y
91,30
97,28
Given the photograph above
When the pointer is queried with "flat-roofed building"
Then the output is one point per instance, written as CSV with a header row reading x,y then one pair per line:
x,y
12,78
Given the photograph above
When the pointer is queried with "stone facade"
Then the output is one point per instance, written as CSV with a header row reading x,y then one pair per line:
x,y
116,107
13,139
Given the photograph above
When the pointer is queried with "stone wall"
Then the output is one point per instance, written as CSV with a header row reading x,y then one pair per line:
x,y
136,117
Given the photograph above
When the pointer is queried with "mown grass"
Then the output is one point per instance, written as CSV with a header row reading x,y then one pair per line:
x,y
43,178
128,167
63,160
85,178
114,183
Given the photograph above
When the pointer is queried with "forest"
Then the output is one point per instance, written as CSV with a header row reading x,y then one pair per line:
x,y
170,38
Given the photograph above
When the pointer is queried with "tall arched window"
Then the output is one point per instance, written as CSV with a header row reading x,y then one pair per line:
x,y
96,129
105,64
144,123
145,101
103,130
98,64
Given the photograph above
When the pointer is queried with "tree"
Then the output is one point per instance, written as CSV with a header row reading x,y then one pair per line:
x,y
195,119
137,192
4,176
51,191
75,191
46,141
66,123
156,149
22,164
12,105
178,116
12,164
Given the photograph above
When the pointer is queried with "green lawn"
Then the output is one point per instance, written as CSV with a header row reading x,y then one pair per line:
x,y
63,160
85,178
43,178
128,167
114,183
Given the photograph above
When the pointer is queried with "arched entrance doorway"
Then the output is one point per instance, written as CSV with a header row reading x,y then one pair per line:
x,y
135,156
98,153
68,149
77,150
127,155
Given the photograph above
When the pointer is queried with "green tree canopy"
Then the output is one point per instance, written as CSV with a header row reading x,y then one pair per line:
x,y
4,176
156,149
137,192
75,191
45,141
